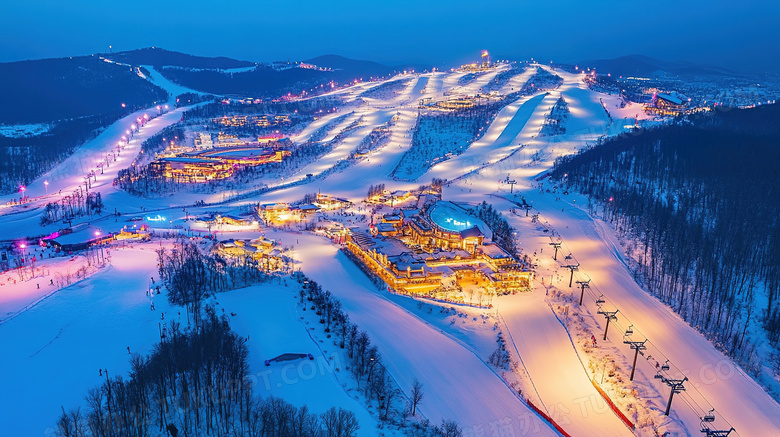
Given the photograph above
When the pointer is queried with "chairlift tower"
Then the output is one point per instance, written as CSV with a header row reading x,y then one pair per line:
x,y
572,268
556,246
676,386
637,346
610,316
583,286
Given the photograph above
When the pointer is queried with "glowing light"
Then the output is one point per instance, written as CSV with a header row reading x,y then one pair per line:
x,y
157,218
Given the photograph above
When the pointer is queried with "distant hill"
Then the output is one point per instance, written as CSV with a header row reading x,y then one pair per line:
x,y
337,62
158,57
639,65
54,89
262,81
281,78
367,67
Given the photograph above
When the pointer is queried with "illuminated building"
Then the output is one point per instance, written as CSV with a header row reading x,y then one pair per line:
x,y
267,253
213,164
440,244
325,201
672,104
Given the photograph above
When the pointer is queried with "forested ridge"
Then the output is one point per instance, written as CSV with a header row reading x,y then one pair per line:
x,y
698,202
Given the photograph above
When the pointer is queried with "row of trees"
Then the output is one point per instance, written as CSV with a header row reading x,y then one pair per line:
x,y
141,180
503,233
387,90
190,275
378,138
194,383
540,81
366,364
555,121
77,204
500,80
698,204
187,99
440,134
304,108
375,190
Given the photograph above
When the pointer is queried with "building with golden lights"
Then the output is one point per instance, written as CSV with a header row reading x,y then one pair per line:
x,y
214,164
419,251
267,253
672,104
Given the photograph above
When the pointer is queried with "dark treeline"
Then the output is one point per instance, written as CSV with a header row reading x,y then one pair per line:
x,y
699,203
75,98
439,134
58,89
161,140
500,80
541,80
375,190
187,99
139,179
467,78
308,107
555,121
502,230
264,81
22,160
76,204
194,383
386,90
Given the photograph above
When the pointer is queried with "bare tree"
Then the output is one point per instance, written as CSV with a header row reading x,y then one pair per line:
x,y
339,423
417,395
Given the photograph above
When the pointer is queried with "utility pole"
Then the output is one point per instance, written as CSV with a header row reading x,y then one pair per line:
x,y
572,268
636,346
583,286
527,208
511,185
610,316
676,386
556,246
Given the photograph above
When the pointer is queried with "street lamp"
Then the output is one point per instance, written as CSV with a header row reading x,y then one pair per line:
x,y
46,184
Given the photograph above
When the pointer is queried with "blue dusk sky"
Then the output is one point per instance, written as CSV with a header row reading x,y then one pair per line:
x,y
739,35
